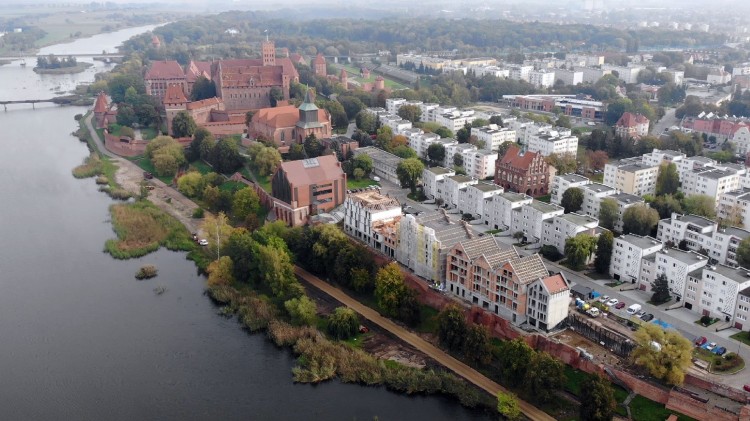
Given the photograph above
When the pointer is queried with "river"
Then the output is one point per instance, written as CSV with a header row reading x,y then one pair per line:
x,y
82,339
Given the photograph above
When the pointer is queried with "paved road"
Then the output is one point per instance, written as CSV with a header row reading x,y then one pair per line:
x,y
420,344
666,122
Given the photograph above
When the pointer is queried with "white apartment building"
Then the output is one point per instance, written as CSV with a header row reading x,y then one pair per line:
x,y
392,105
742,312
591,74
548,302
734,206
724,243
498,211
665,156
560,183
452,184
424,242
520,72
493,136
695,230
569,77
542,78
593,193
559,228
433,181
399,126
428,111
624,201
714,290
473,199
676,264
455,120
529,219
741,140
631,176
627,74
548,142
363,211
689,164
627,255
456,149
480,164
481,71
384,164
711,182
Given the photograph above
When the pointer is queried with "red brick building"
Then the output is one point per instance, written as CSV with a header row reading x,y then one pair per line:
x,y
161,75
307,187
632,126
319,65
524,172
287,124
209,113
103,112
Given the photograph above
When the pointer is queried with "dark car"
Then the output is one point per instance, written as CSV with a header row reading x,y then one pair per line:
x,y
620,305
700,340
746,387
720,350
647,317
147,175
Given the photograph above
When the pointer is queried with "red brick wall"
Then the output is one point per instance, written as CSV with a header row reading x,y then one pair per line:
x,y
719,389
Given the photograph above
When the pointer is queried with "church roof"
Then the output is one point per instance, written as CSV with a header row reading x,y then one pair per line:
x,y
101,103
197,69
515,159
247,72
174,94
320,170
208,102
308,104
165,69
285,116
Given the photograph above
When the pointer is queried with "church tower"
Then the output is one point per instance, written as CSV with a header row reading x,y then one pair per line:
x,y
269,52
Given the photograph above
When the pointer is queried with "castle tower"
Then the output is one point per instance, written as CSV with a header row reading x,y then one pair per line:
x,y
268,50
319,65
379,84
174,102
343,79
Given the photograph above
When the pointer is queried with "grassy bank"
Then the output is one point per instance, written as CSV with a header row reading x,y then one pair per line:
x,y
142,228
78,68
98,165
321,359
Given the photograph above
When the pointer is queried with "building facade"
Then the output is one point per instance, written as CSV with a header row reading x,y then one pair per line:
x,y
524,172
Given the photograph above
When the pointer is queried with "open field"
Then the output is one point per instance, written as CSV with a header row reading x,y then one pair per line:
x,y
354,75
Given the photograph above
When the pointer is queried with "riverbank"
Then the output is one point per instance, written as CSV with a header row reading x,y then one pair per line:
x,y
78,68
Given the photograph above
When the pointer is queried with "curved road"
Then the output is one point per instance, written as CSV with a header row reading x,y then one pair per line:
x,y
417,342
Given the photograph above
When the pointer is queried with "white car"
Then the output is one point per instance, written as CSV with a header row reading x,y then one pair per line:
x,y
203,242
612,302
711,346
604,298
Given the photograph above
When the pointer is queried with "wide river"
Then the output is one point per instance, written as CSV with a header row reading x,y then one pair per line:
x,y
81,339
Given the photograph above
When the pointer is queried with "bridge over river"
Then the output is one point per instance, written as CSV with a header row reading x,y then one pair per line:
x,y
33,102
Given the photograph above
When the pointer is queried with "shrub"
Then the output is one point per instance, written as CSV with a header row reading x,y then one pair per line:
x,y
550,252
102,179
198,213
146,272
705,320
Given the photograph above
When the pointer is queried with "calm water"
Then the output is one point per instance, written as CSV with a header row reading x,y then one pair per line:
x,y
81,339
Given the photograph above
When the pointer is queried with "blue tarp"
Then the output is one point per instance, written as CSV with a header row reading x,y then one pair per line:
x,y
661,323
595,294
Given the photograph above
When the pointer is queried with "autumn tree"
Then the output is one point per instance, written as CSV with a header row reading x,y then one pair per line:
x,y
604,252
409,171
507,406
579,249
700,205
220,272
452,329
217,230
244,203
563,163
389,289
609,211
666,354
639,219
572,199
597,400
343,323
596,159
668,180
301,310
183,125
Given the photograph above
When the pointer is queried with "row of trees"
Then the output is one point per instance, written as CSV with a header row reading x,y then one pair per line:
x,y
243,205
223,155
54,62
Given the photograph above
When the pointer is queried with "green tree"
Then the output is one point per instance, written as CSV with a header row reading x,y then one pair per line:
x,y
608,213
389,289
383,140
166,154
225,156
563,121
267,160
496,119
313,147
183,125
217,230
515,357
275,95
639,219
452,329
604,252
244,203
296,152
249,117
302,310
563,163
277,271
507,406
220,272
363,162
443,132
410,112
666,354
572,199
579,249
743,253
358,173
598,399
366,121
343,323
409,171
191,184
203,88
403,151
667,205
477,348
462,135
201,135
700,205
544,376
660,289
668,180
436,153
503,149
616,109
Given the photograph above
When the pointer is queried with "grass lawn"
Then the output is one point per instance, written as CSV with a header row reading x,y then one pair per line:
x,y
351,183
201,167
728,364
354,75
263,180
546,198
147,165
428,320
232,186
597,178
743,337
644,409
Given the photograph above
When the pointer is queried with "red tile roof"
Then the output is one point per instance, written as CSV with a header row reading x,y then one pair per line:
x,y
319,59
165,69
101,103
296,58
513,158
555,284
197,69
285,116
326,170
204,103
174,94
631,120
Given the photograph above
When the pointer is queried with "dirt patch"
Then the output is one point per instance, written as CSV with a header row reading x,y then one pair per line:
x,y
600,353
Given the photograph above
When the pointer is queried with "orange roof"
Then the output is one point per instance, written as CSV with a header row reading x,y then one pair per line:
x,y
307,171
101,103
240,72
631,120
319,59
197,69
513,158
203,103
555,284
174,94
296,58
165,69
285,116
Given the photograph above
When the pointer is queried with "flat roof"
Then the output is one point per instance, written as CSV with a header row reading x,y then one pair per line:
x,y
544,207
697,220
461,178
689,257
378,155
573,178
717,174
487,187
627,198
578,219
633,167
737,232
638,241
513,196
440,170
738,274
597,187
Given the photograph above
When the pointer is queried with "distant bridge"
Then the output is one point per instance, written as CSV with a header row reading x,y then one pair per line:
x,y
33,102
64,55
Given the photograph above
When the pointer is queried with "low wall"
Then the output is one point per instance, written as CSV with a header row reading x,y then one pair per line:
x,y
127,148
718,388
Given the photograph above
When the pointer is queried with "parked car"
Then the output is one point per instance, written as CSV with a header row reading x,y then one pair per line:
x,y
720,350
613,302
647,317
620,305
746,387
604,298
147,175
711,346
203,242
700,341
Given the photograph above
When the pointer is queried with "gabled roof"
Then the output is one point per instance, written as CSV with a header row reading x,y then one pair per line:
x,y
174,94
208,102
555,284
165,69
320,170
196,69
319,59
515,159
284,116
528,269
631,120
101,103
